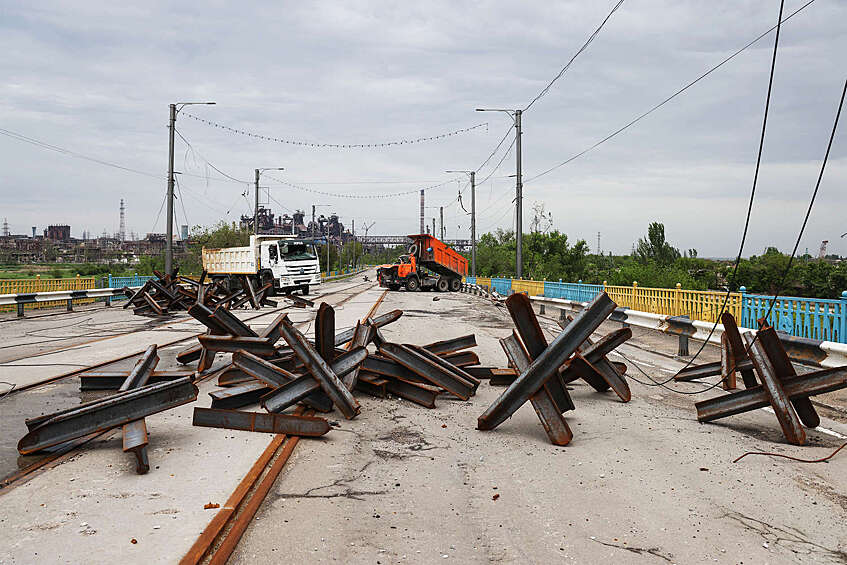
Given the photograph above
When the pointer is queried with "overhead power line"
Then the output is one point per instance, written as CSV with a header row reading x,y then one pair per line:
x,y
302,143
360,196
577,54
668,99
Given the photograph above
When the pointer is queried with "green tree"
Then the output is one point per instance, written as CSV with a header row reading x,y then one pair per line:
x,y
655,248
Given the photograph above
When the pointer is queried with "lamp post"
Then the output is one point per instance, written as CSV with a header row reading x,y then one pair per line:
x,y
516,118
256,208
169,231
473,218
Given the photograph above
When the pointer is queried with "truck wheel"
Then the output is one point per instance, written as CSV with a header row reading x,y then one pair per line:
x,y
412,284
455,285
305,289
442,285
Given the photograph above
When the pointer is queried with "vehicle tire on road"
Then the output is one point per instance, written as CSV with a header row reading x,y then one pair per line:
x,y
305,289
455,285
442,285
412,284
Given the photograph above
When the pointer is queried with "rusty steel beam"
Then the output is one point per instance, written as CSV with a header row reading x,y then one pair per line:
x,y
372,384
727,363
139,374
112,380
419,394
250,292
234,376
529,330
108,413
361,338
491,372
551,418
447,366
802,386
739,352
261,369
389,368
432,372
380,321
189,354
462,359
548,363
783,370
320,369
303,426
203,314
595,354
153,304
452,345
135,441
231,323
294,391
325,332
772,385
238,396
231,344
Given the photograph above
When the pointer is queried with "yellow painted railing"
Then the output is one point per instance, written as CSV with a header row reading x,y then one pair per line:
x,y
533,288
702,305
25,286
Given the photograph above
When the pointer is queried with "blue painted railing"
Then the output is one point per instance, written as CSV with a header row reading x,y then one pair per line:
x,y
501,286
135,280
572,291
813,318
470,280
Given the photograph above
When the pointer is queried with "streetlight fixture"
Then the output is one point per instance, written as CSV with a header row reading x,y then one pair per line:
x,y
169,244
256,209
473,218
516,118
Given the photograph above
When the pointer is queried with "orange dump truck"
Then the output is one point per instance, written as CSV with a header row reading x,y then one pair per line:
x,y
429,265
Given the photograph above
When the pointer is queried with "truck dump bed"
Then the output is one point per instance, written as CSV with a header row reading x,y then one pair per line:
x,y
433,254
230,261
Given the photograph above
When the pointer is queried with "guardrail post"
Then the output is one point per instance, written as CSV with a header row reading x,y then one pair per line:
x,y
744,299
842,330
20,310
70,304
677,304
682,350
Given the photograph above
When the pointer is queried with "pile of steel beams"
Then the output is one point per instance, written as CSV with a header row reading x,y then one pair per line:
x,y
297,373
165,294
136,397
545,369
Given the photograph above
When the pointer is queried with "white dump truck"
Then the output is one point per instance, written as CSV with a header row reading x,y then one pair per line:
x,y
290,263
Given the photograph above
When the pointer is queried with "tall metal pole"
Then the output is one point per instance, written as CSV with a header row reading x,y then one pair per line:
x,y
313,224
169,232
354,243
473,223
327,249
441,220
518,200
422,211
256,209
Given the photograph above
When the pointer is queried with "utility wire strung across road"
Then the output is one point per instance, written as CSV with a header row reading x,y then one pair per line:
x,y
585,45
668,99
360,196
338,145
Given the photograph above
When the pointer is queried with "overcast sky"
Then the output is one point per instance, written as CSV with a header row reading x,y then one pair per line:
x,y
97,79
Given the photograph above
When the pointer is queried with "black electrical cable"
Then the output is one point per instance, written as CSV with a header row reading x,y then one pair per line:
x,y
577,54
668,99
811,203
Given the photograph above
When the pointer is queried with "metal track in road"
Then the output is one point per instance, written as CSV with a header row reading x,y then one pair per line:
x,y
220,538
64,451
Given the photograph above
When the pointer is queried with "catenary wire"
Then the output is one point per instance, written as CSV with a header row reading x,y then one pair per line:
x,y
338,145
585,45
666,100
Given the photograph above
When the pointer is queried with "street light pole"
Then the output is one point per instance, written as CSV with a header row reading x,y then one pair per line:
x,y
169,230
256,208
516,118
441,220
473,218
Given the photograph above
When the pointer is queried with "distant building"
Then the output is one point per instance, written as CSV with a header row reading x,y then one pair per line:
x,y
58,233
